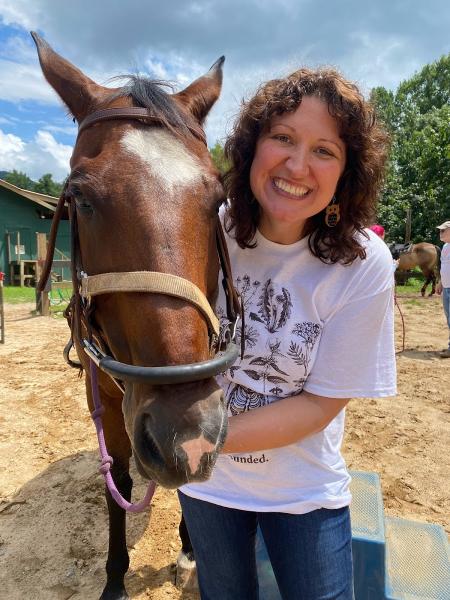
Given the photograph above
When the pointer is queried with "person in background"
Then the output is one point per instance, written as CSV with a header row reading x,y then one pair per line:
x,y
443,287
378,229
307,160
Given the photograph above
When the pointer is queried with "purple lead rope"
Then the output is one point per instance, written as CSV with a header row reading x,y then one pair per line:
x,y
106,460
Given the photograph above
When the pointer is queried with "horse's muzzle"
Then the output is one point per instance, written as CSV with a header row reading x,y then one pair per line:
x,y
174,453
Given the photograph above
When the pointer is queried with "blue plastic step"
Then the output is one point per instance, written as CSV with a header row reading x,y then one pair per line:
x,y
368,535
417,561
367,543
393,559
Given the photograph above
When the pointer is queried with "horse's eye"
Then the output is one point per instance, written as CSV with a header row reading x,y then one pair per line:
x,y
84,206
74,192
82,203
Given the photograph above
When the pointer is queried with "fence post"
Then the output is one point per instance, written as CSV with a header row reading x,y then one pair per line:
x,y
2,311
42,299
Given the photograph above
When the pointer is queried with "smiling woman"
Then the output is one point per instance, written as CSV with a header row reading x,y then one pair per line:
x,y
306,164
297,164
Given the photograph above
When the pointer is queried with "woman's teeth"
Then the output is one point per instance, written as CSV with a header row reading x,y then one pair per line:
x,y
294,190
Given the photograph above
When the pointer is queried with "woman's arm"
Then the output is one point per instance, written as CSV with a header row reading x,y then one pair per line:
x,y
281,423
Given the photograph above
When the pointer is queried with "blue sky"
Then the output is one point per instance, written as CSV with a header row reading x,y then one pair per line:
x,y
382,42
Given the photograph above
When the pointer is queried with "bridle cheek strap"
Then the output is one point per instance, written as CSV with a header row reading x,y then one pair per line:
x,y
153,282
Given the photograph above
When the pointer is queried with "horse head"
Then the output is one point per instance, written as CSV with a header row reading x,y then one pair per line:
x,y
144,198
398,249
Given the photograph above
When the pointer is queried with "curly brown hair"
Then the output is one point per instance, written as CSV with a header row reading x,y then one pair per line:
x,y
358,187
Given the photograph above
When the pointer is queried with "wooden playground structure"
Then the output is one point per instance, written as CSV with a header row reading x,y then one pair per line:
x,y
24,269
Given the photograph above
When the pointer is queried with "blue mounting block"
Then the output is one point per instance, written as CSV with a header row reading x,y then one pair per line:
x,y
393,559
368,536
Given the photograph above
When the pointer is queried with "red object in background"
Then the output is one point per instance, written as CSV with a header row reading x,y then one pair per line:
x,y
2,276
378,229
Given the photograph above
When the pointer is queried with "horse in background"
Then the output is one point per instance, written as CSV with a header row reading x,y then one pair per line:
x,y
143,197
424,255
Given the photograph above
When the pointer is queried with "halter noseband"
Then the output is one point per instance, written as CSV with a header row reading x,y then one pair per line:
x,y
86,287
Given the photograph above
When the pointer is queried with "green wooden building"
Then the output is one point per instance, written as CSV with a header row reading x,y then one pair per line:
x,y
24,214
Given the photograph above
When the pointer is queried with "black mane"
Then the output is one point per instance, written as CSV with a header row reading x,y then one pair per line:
x,y
149,93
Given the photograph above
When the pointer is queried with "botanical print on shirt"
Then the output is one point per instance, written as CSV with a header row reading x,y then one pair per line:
x,y
285,359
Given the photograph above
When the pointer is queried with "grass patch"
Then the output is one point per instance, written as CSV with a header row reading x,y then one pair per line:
x,y
413,302
58,311
15,294
413,285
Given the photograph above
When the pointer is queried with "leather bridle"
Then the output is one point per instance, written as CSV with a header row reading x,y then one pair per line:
x,y
81,308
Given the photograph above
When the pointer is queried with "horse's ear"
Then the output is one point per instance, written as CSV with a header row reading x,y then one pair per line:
x,y
203,92
74,88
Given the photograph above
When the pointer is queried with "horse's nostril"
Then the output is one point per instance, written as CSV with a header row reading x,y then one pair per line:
x,y
148,446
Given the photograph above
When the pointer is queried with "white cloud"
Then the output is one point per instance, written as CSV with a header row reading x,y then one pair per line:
x,y
6,121
24,82
156,69
380,43
17,49
41,155
11,150
383,60
21,12
66,129
60,152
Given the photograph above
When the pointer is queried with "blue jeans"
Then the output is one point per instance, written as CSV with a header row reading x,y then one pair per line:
x,y
311,554
446,303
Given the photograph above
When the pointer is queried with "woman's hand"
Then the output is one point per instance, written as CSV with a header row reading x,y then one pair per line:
x,y
281,423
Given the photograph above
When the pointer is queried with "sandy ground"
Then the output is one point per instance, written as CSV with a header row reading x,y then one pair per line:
x,y
53,518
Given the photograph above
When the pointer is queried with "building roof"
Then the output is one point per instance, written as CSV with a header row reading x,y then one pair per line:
x,y
48,202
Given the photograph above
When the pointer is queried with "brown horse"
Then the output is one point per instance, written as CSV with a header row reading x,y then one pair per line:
x,y
143,196
422,255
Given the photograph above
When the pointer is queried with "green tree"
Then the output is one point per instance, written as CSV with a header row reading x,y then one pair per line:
x,y
428,89
384,101
20,180
218,157
417,116
46,185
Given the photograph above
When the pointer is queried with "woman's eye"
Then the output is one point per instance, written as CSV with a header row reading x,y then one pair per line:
x,y
282,138
324,152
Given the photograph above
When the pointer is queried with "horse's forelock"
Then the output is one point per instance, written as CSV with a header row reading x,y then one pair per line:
x,y
150,93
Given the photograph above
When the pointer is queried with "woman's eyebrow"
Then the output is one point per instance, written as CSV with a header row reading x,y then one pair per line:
x,y
272,125
332,142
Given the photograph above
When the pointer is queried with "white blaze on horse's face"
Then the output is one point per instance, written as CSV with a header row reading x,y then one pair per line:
x,y
165,156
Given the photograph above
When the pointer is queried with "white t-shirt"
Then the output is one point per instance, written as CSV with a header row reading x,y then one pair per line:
x,y
445,266
327,329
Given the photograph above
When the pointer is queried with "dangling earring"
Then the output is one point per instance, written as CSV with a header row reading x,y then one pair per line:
x,y
332,213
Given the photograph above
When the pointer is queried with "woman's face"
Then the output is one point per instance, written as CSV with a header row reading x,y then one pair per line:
x,y
444,235
297,164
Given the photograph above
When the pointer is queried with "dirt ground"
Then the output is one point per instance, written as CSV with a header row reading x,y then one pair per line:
x,y
52,511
